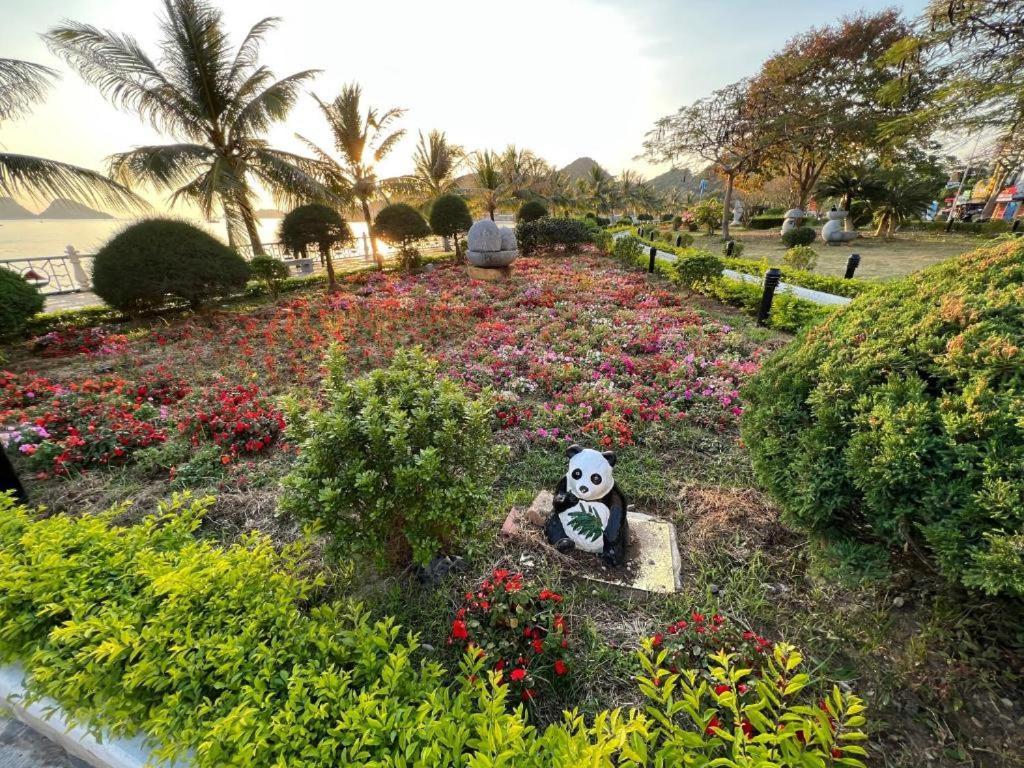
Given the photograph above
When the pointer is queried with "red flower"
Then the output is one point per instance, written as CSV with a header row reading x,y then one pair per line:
x,y
722,689
538,646
748,729
560,668
526,695
714,723
547,594
657,640
518,674
459,631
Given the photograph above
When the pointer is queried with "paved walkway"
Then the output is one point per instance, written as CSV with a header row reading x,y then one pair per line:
x,y
21,747
818,297
71,301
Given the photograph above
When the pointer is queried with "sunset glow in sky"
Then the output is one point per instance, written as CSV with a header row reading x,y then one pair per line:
x,y
564,78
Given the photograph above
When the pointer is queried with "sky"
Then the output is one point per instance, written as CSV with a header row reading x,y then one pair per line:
x,y
565,78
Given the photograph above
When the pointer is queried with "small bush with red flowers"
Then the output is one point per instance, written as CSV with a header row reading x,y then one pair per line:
x,y
690,643
521,631
239,419
72,341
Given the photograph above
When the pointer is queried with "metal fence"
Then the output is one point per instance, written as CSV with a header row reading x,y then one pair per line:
x,y
72,272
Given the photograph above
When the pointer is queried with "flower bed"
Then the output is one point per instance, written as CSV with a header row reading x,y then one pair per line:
x,y
575,349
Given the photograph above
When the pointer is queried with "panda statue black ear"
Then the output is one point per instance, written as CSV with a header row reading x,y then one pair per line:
x,y
572,450
610,457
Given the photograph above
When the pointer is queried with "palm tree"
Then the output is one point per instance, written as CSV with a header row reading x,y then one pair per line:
x,y
216,102
560,192
435,161
898,199
22,85
521,171
490,187
361,139
850,184
599,190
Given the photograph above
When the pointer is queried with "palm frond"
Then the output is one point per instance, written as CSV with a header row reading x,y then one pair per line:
x,y
165,165
270,105
293,179
43,180
247,55
384,147
22,84
124,74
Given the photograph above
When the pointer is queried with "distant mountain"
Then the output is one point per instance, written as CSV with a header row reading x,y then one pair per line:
x,y
269,213
580,168
686,180
69,209
12,210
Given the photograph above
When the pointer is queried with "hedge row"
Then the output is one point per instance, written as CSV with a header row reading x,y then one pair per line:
x,y
990,227
215,651
800,277
789,313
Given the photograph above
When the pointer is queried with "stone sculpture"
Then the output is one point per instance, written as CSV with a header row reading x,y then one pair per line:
x,y
833,232
490,246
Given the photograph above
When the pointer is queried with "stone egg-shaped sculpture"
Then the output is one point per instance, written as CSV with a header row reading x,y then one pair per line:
x,y
484,236
491,246
833,231
792,216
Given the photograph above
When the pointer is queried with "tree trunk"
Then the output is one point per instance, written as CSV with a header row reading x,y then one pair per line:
x,y
369,233
458,248
727,206
990,204
883,224
490,210
848,221
332,282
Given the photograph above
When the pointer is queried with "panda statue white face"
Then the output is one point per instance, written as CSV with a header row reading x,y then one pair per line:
x,y
590,475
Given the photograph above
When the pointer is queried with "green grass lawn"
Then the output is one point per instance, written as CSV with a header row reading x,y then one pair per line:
x,y
881,259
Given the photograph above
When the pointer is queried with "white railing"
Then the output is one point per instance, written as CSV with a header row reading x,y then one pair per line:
x,y
54,275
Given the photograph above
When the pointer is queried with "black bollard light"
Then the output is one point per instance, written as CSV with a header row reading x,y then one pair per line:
x,y
9,478
679,241
771,281
640,231
1016,226
851,265
654,253
730,246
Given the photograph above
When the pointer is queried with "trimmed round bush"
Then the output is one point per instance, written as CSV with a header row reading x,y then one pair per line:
x,y
19,301
157,260
900,420
696,267
450,217
313,224
800,257
798,236
765,221
270,271
548,232
532,210
400,224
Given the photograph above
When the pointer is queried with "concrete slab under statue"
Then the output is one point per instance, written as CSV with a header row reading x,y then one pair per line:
x,y
651,564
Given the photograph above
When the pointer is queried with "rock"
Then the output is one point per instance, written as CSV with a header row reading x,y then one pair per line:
x,y
491,259
484,236
1006,703
898,601
427,647
437,570
714,589
508,239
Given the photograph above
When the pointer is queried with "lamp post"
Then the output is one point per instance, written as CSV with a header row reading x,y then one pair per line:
x,y
772,278
851,265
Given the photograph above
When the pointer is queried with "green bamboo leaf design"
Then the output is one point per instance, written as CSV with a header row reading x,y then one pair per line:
x,y
586,522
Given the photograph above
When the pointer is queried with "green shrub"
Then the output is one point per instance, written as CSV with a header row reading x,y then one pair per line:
x,y
450,217
813,280
532,210
800,257
765,222
737,248
708,213
160,259
402,225
398,467
628,250
550,232
223,656
898,421
789,312
798,236
19,301
644,217
677,223
270,271
313,224
681,239
696,268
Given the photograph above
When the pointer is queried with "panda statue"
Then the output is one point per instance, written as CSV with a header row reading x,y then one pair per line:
x,y
589,511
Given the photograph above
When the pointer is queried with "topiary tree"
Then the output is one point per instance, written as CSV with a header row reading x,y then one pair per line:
x,y
402,225
319,225
532,210
450,217
798,236
898,421
156,259
18,302
400,464
272,272
694,267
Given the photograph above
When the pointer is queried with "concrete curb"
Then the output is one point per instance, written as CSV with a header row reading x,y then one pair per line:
x,y
47,719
